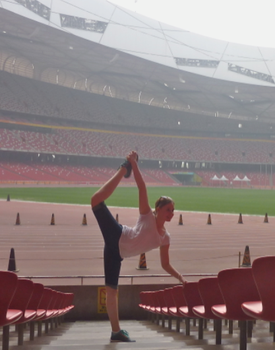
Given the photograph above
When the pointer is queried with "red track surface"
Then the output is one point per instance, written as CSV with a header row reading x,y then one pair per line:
x,y
69,248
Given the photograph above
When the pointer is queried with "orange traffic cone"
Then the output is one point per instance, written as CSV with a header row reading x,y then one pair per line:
x,y
266,218
52,220
84,221
12,264
142,262
17,222
117,218
246,258
209,222
180,220
240,221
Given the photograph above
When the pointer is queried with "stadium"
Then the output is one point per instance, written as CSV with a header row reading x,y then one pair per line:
x,y
82,85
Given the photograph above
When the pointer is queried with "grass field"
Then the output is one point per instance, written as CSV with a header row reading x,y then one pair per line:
x,y
212,200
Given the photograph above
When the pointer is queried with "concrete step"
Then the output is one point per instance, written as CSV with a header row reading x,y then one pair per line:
x,y
86,335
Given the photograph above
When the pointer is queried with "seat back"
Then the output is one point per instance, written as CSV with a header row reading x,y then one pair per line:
x,y
178,296
192,297
8,285
38,290
143,300
22,295
210,293
68,301
46,299
54,300
237,286
152,302
59,300
168,297
159,298
263,270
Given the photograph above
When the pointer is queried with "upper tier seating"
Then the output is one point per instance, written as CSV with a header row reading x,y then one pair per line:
x,y
117,144
29,96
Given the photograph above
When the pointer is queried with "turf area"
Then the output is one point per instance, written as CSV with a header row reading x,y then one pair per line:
x,y
212,200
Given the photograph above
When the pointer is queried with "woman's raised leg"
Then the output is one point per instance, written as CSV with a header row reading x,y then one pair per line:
x,y
108,188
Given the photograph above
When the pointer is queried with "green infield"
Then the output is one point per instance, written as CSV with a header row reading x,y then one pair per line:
x,y
211,200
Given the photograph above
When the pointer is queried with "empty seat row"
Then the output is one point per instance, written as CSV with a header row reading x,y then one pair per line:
x,y
237,294
23,301
106,143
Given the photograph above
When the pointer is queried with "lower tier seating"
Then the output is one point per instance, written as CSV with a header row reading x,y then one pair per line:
x,y
22,302
242,294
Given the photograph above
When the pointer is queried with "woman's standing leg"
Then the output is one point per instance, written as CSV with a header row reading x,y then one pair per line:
x,y
100,196
112,308
111,292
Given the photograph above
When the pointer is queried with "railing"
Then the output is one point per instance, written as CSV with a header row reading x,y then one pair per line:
x,y
130,277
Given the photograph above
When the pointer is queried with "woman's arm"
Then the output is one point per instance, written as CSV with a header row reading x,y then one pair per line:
x,y
144,207
165,263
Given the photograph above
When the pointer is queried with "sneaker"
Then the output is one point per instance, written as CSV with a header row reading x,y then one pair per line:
x,y
122,336
127,165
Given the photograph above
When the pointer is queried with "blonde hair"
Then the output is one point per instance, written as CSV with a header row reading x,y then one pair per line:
x,y
162,201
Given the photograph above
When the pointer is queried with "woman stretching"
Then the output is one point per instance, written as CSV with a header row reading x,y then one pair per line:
x,y
122,241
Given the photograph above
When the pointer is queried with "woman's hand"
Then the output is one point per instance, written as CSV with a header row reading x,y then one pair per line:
x,y
132,157
182,280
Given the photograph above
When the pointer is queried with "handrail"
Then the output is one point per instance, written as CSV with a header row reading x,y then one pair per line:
x,y
132,277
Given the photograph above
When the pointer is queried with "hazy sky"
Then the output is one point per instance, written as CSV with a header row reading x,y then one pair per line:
x,y
249,22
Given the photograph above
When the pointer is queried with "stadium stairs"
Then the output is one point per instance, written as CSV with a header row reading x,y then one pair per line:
x,y
86,335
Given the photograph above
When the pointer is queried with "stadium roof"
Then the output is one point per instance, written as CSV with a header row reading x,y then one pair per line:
x,y
36,50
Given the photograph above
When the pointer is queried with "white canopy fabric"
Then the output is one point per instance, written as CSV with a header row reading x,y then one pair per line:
x,y
223,178
215,177
238,179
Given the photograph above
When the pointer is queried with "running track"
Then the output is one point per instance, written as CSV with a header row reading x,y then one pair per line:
x,y
69,248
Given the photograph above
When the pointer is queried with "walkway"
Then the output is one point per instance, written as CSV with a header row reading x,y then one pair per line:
x,y
95,335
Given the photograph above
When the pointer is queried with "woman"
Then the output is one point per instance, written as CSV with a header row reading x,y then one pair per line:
x,y
122,241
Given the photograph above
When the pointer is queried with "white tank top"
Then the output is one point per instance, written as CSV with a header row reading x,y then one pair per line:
x,y
142,237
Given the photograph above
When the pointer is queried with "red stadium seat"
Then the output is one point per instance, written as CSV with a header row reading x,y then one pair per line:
x,y
169,303
193,298
179,301
211,295
20,300
237,286
8,285
263,270
38,290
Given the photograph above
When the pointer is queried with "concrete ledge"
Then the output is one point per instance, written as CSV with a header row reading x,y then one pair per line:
x,y
86,301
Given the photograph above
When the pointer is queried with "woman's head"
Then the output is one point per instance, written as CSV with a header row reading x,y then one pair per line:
x,y
165,207
162,201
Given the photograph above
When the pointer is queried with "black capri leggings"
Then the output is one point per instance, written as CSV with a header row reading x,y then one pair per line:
x,y
111,231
